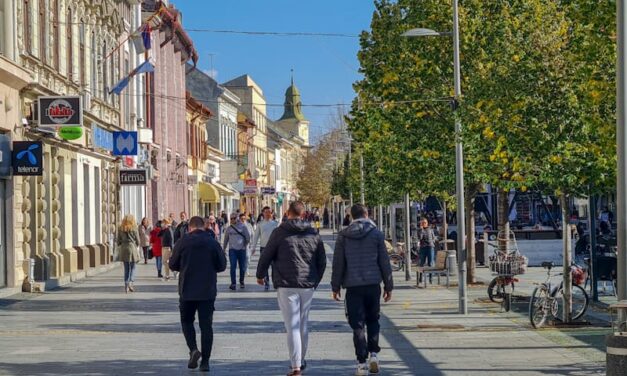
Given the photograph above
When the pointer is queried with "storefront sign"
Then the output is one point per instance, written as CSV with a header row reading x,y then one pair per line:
x,y
60,112
250,187
229,171
268,190
27,158
71,133
124,143
133,177
101,138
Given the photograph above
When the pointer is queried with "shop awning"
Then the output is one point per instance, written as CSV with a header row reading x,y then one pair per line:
x,y
208,193
224,191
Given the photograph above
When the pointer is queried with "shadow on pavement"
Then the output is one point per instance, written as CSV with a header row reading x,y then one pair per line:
x,y
178,367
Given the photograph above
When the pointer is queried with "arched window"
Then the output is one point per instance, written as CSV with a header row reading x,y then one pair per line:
x,y
81,52
69,47
54,6
43,36
27,28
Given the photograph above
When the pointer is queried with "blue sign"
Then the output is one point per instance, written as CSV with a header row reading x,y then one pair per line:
x,y
5,155
27,158
101,138
125,143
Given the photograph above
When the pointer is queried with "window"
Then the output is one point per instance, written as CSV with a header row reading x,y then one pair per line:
x,y
105,83
42,31
54,5
81,52
27,28
69,48
93,82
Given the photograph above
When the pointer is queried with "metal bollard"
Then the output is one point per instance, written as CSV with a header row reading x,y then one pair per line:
x,y
451,262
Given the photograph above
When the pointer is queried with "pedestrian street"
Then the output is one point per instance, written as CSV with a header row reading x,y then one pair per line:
x,y
93,327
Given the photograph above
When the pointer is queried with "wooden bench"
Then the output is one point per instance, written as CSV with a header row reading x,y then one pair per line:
x,y
439,270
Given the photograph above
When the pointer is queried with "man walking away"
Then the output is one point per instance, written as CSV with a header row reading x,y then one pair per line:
x,y
298,261
360,264
264,229
199,258
236,238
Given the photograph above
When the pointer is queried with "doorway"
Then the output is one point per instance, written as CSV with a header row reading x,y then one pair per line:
x,y
3,233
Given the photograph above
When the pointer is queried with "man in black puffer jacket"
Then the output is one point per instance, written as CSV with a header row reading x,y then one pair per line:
x,y
360,264
298,260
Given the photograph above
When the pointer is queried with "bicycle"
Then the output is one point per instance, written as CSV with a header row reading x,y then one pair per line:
x,y
505,264
397,257
545,299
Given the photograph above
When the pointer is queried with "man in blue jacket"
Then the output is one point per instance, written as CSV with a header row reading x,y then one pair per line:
x,y
198,257
360,264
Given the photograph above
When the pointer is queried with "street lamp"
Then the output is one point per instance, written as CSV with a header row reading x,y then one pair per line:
x,y
459,152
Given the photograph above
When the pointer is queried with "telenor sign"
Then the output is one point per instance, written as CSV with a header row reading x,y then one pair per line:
x,y
27,158
133,177
60,112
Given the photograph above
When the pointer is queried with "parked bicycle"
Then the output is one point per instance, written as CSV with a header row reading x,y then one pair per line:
x,y
397,256
505,264
547,299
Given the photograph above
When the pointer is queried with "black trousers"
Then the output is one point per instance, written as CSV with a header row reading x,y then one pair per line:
x,y
205,310
266,278
363,305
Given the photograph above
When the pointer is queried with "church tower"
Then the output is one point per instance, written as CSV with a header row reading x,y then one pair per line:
x,y
293,121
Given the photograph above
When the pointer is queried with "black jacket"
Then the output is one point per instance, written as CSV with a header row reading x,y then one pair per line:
x,y
181,230
199,258
360,257
167,238
297,255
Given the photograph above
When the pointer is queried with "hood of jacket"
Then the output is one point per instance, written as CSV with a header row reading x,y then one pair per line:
x,y
297,226
359,228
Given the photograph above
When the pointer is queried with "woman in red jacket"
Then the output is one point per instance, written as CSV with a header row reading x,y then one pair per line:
x,y
155,241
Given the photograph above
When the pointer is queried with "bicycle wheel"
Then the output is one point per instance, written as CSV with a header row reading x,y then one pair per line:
x,y
396,262
494,291
580,302
537,306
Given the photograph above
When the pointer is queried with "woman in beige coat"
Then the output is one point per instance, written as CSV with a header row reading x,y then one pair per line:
x,y
128,250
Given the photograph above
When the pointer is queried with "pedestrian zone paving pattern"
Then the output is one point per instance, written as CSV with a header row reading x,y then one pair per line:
x,y
93,328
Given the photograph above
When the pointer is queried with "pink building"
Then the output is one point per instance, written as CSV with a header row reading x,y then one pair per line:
x,y
165,107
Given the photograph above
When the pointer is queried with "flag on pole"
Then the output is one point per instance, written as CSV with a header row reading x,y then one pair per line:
x,y
144,67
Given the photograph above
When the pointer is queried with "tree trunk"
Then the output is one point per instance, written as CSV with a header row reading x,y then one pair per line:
x,y
503,208
471,259
445,226
568,286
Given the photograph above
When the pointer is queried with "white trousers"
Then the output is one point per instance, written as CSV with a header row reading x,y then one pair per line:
x,y
295,304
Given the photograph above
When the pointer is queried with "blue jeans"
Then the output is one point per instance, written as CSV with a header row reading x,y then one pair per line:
x,y
427,254
129,272
237,256
159,262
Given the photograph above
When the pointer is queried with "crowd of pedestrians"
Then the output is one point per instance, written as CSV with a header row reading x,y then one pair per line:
x,y
198,248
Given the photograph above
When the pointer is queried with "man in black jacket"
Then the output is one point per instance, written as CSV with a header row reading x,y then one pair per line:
x,y
298,260
199,258
360,264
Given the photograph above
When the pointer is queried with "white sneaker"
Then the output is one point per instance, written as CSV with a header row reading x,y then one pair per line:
x,y
362,370
373,364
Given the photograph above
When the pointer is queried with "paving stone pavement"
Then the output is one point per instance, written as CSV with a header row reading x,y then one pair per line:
x,y
93,328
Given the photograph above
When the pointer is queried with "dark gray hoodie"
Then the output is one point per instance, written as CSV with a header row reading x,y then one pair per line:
x,y
360,257
296,254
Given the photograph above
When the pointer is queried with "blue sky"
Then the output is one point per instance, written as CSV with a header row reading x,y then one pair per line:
x,y
324,68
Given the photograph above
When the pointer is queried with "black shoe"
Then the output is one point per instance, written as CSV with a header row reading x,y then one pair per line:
x,y
194,356
304,365
242,285
233,287
159,275
204,365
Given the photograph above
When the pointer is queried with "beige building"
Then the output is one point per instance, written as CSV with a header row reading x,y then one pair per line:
x,y
64,221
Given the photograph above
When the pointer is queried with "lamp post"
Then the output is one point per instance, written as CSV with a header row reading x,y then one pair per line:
x,y
459,152
617,342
